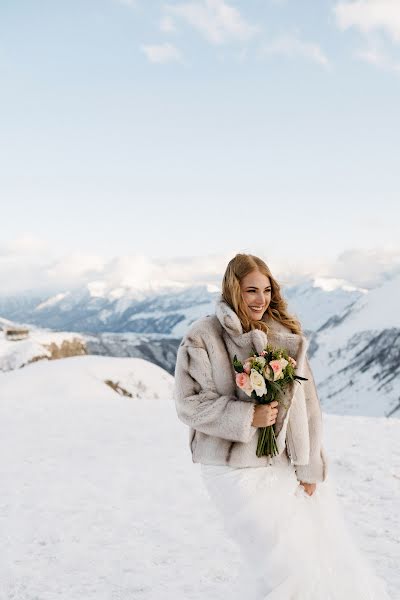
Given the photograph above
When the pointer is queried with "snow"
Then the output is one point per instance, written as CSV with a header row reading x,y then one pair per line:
x,y
52,300
374,311
316,301
349,362
100,498
4,323
330,283
97,289
16,354
190,315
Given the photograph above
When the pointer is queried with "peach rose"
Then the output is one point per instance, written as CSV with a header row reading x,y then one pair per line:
x,y
277,369
243,382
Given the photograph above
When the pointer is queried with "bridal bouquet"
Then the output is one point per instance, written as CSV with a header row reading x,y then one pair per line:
x,y
263,377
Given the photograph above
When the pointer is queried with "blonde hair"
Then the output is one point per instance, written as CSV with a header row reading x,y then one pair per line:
x,y
240,266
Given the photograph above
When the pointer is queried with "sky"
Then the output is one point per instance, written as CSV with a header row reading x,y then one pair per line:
x,y
166,130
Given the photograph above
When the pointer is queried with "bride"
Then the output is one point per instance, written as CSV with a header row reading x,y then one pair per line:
x,y
281,510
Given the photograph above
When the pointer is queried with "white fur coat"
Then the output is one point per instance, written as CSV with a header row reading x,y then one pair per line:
x,y
219,414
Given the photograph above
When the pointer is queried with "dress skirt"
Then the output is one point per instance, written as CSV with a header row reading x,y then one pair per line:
x,y
294,546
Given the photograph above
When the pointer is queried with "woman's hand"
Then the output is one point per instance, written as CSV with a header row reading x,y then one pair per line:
x,y
265,414
309,487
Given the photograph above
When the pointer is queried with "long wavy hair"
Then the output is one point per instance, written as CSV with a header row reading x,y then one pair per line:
x,y
240,266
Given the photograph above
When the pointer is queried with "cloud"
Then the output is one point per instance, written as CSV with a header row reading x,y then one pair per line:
x,y
38,271
33,268
370,15
28,264
216,20
366,268
161,53
167,24
291,46
378,57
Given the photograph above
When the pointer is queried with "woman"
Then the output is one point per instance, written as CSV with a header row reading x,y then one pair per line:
x,y
280,510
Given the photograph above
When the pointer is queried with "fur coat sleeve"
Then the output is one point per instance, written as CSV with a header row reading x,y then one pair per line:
x,y
199,405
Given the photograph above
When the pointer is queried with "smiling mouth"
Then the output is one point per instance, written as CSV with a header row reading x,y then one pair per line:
x,y
257,309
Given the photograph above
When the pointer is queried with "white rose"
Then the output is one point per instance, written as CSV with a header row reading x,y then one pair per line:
x,y
260,361
283,362
258,382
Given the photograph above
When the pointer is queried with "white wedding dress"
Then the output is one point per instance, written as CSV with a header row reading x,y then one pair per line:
x,y
294,546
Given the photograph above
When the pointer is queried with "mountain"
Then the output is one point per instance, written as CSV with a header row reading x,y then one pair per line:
x,y
166,311
93,310
353,332
321,300
100,498
357,357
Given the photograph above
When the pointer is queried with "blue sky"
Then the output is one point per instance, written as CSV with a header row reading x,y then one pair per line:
x,y
173,129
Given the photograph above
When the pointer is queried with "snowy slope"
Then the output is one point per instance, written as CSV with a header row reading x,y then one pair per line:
x,y
46,344
357,363
16,354
319,300
100,499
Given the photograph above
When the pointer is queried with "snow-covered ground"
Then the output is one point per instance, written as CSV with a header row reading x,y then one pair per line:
x,y
100,499
16,354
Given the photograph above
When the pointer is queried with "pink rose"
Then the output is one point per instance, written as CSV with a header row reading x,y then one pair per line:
x,y
276,366
244,383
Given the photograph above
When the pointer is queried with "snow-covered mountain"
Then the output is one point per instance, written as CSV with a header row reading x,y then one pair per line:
x,y
91,457
170,310
92,309
357,358
321,300
354,333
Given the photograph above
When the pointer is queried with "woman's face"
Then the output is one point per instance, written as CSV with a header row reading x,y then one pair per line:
x,y
256,294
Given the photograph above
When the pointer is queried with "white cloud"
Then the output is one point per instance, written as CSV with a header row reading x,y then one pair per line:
x,y
40,271
365,268
28,263
167,24
370,15
216,20
162,53
378,57
291,46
